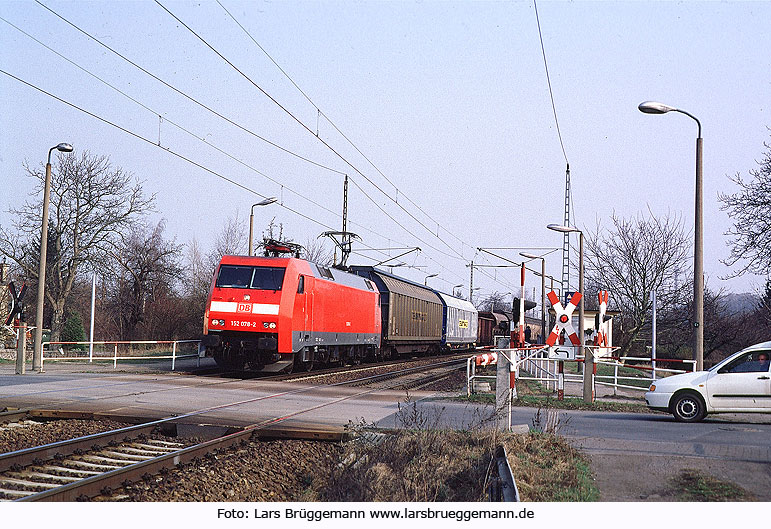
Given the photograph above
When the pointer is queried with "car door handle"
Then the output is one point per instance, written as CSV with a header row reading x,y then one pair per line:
x,y
762,378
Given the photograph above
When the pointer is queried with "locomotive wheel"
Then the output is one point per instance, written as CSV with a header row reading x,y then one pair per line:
x,y
302,367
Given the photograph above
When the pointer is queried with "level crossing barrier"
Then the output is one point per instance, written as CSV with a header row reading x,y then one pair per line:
x,y
54,351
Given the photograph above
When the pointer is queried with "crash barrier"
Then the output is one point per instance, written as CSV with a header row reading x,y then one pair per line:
x,y
108,351
502,486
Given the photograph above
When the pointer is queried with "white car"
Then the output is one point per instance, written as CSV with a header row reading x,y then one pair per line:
x,y
739,384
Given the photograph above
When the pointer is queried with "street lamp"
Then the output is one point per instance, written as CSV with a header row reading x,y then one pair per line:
x,y
265,202
651,107
543,289
588,357
427,277
454,287
37,355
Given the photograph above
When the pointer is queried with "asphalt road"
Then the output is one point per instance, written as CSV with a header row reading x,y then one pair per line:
x,y
633,454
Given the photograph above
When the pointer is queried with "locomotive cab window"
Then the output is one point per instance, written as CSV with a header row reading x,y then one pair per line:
x,y
301,285
261,278
268,278
232,276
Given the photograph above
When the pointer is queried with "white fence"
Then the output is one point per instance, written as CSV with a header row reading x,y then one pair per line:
x,y
533,364
108,351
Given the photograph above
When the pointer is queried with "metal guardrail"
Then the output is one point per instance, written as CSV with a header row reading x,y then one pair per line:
x,y
59,355
503,487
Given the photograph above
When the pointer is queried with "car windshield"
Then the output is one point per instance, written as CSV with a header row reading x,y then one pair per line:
x,y
259,278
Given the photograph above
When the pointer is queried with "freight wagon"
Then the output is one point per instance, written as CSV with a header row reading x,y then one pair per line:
x,y
412,314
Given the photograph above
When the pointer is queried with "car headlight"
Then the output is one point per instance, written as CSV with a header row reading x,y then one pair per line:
x,y
652,388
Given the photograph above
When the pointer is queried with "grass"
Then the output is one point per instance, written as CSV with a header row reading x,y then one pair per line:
x,y
546,468
569,403
532,394
692,485
425,463
604,370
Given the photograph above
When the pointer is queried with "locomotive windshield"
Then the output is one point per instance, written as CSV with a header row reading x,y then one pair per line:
x,y
260,278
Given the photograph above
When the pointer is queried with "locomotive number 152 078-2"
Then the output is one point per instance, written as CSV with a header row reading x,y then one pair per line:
x,y
235,323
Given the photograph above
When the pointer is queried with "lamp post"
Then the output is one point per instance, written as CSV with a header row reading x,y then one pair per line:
x,y
425,282
588,357
265,202
454,287
37,355
652,107
543,290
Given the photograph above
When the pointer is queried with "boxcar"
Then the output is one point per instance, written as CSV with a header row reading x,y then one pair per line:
x,y
459,322
491,324
412,313
274,314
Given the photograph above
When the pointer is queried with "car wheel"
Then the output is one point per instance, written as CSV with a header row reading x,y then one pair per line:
x,y
688,407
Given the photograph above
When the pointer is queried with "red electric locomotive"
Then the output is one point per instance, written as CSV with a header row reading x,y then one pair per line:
x,y
276,314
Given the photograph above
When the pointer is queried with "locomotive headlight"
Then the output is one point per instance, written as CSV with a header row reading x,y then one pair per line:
x,y
215,323
272,325
222,322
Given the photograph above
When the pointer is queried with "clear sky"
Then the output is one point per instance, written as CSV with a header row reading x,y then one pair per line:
x,y
449,100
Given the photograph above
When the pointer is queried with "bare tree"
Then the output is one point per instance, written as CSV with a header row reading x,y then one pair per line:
x,y
149,266
91,204
233,239
316,252
632,259
495,302
750,209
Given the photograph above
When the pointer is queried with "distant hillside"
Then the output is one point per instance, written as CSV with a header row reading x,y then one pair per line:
x,y
741,303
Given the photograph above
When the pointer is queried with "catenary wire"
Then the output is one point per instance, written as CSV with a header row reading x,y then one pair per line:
x,y
326,144
334,125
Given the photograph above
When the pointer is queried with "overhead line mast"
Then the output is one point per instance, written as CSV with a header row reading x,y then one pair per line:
x,y
566,235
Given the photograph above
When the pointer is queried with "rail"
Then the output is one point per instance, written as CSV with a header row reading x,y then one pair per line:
x,y
111,346
101,480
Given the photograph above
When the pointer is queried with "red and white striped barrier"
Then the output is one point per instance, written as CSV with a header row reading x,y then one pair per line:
x,y
486,359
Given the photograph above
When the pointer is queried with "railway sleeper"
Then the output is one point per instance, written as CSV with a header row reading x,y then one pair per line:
x,y
92,466
24,484
100,459
144,451
10,494
122,456
64,471
44,475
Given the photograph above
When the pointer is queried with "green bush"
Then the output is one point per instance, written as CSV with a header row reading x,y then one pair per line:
x,y
73,330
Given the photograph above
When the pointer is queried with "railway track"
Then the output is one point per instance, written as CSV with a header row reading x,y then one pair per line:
x,y
97,464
